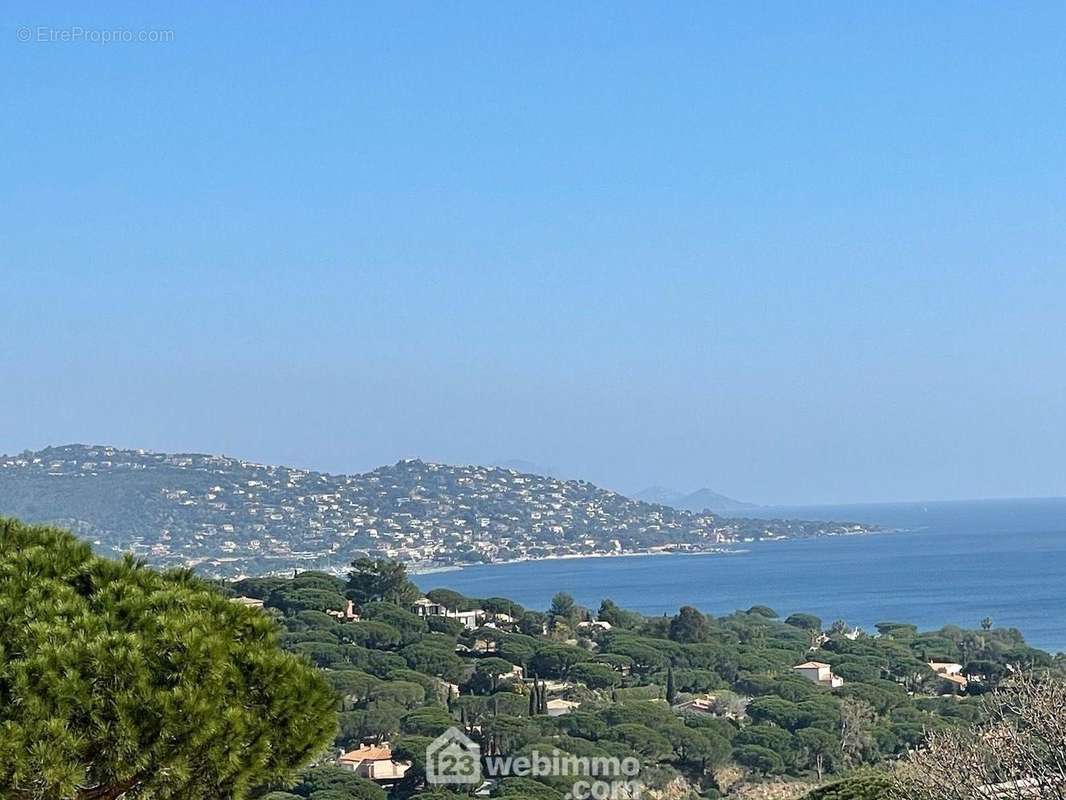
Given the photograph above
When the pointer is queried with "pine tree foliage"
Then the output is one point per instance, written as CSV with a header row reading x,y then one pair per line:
x,y
117,681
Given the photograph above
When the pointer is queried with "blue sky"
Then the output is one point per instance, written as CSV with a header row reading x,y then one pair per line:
x,y
793,252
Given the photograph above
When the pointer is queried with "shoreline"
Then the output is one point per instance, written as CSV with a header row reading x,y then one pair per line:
x,y
578,556
429,570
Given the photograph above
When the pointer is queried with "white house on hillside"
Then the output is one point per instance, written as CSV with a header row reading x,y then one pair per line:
x,y
817,672
559,707
427,608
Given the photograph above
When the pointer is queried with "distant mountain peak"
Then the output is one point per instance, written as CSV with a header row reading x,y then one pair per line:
x,y
697,501
661,495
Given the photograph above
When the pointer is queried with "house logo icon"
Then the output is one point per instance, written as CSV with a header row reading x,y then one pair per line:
x,y
453,758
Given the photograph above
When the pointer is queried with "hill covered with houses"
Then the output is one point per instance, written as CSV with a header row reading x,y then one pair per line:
x,y
230,517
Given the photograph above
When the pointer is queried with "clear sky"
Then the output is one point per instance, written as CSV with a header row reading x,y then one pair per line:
x,y
795,252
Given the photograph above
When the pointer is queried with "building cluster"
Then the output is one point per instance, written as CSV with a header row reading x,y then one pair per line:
x,y
375,761
229,517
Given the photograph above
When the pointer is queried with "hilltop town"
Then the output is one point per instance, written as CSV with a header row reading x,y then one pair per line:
x,y
228,517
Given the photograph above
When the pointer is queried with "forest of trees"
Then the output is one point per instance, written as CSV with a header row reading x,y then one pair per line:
x,y
394,669
120,682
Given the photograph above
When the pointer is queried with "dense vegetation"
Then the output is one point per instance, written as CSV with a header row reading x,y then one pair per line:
x,y
873,786
406,679
118,681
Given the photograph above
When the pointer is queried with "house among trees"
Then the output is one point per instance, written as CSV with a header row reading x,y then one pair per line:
x,y
348,615
559,707
945,667
427,608
485,644
592,625
820,673
950,672
375,763
698,705
248,602
500,619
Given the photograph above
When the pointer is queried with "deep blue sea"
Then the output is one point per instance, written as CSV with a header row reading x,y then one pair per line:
x,y
941,563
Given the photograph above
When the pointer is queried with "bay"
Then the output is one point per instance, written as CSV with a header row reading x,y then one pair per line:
x,y
936,563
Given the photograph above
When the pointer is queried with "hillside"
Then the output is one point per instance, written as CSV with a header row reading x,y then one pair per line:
x,y
232,517
728,704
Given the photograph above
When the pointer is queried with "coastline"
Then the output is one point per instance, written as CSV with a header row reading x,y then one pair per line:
x,y
579,556
1007,559
715,551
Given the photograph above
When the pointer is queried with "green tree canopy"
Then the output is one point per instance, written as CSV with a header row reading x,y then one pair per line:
x,y
873,786
373,634
618,617
118,681
759,759
343,783
563,610
555,660
293,599
808,622
898,630
452,600
763,611
373,580
689,626
595,676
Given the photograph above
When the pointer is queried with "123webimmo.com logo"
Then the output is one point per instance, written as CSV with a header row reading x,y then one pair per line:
x,y
453,758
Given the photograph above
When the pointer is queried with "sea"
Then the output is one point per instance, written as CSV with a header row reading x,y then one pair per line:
x,y
933,564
